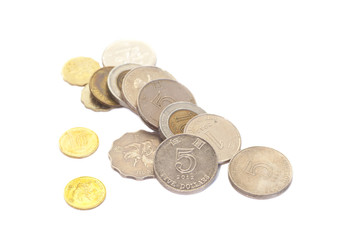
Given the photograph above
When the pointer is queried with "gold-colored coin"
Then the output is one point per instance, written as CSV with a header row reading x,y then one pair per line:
x,y
99,88
85,193
78,71
90,101
178,120
78,142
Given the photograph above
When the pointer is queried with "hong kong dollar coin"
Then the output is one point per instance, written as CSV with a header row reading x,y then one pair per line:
x,y
185,164
260,172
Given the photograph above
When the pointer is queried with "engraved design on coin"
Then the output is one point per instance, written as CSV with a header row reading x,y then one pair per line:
x,y
156,95
78,71
175,116
84,193
123,52
260,172
78,142
137,78
185,164
133,154
219,132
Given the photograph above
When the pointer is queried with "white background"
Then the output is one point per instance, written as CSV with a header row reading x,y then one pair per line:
x,y
285,73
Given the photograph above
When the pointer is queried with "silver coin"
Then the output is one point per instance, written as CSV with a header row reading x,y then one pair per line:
x,y
185,164
260,172
122,52
175,116
219,132
115,80
133,154
156,95
136,79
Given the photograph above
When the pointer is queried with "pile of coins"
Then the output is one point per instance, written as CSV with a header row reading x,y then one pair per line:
x,y
188,144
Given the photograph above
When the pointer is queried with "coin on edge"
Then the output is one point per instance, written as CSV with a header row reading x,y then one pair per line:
x,y
115,80
133,154
219,132
185,164
78,142
90,102
260,172
99,89
136,79
122,52
84,193
156,95
175,116
78,71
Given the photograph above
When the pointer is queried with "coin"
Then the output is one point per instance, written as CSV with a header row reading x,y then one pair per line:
x,y
136,79
133,154
99,89
90,102
77,71
185,164
122,52
175,116
84,193
78,142
260,172
219,132
115,80
156,95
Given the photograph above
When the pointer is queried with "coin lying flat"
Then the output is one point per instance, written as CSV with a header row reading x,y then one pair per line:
x,y
84,193
122,52
90,102
260,172
136,79
77,71
133,154
156,95
99,89
219,132
78,142
185,164
115,80
175,116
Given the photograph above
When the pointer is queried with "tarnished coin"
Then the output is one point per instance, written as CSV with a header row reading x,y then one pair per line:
x,y
156,95
185,164
90,102
136,79
133,154
78,142
99,89
122,52
175,116
84,193
78,71
115,80
219,132
260,172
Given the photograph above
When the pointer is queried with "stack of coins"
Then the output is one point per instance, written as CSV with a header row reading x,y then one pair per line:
x,y
188,144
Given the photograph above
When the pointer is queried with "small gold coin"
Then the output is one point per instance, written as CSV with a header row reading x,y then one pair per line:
x,y
85,193
90,101
78,142
78,71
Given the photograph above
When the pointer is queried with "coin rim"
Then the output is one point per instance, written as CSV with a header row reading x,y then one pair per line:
x,y
192,191
140,113
112,81
168,111
130,176
257,196
92,207
82,156
237,131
